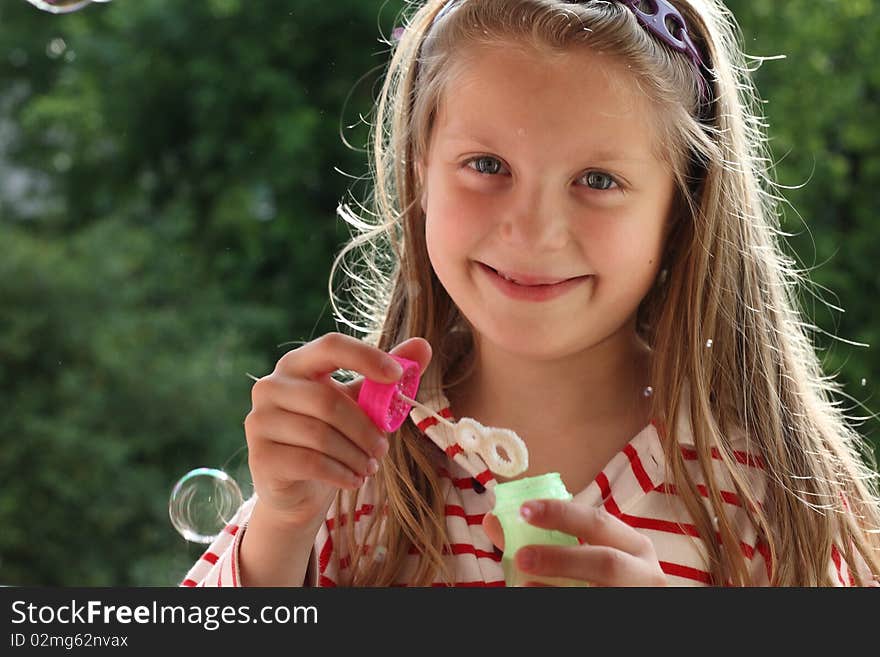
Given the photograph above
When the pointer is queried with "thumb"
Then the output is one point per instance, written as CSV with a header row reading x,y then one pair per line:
x,y
493,530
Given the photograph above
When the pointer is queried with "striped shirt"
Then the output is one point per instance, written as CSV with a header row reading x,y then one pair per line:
x,y
632,486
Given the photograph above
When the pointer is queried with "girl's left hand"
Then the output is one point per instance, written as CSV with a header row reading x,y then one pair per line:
x,y
611,554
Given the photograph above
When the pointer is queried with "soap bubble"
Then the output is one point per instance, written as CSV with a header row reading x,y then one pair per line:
x,y
864,382
709,343
648,391
62,6
202,503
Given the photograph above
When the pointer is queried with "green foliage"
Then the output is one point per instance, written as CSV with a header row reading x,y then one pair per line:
x,y
167,221
822,103
167,196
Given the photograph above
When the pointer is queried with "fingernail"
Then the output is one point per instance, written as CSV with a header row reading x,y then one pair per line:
x,y
392,368
530,510
381,447
372,466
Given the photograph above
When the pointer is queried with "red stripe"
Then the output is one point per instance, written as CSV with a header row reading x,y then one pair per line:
x,y
686,571
219,577
455,549
660,525
466,483
754,460
189,582
345,561
467,548
745,458
638,469
326,551
764,550
636,521
747,550
210,557
454,449
472,519
835,556
464,548
365,510
462,483
727,496
608,500
484,477
430,421
232,529
654,524
323,580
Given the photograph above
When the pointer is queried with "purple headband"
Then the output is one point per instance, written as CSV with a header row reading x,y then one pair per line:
x,y
662,19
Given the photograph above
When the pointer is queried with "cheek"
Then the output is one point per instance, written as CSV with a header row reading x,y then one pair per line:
x,y
451,229
631,249
445,243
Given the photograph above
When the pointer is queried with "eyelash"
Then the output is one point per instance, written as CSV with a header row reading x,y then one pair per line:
x,y
614,180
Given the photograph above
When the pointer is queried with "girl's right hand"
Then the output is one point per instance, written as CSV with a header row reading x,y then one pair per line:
x,y
307,437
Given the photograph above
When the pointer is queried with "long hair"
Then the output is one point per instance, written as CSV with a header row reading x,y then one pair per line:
x,y
729,281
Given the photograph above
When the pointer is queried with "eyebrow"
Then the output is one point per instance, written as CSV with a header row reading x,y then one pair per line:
x,y
603,154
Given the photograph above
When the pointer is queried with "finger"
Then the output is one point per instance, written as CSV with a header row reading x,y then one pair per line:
x,y
293,429
597,564
593,525
323,403
492,527
282,465
319,358
416,349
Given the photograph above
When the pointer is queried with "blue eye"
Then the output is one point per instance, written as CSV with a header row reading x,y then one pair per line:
x,y
600,178
482,160
490,166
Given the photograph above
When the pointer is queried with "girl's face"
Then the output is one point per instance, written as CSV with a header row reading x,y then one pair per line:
x,y
544,169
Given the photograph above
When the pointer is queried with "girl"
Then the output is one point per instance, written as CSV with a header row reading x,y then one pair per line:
x,y
575,241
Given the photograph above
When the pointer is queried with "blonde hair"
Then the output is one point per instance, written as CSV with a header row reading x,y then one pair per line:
x,y
728,281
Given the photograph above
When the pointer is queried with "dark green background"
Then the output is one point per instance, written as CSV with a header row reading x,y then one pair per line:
x,y
169,173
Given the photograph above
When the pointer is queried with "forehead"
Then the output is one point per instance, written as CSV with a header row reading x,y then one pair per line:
x,y
579,98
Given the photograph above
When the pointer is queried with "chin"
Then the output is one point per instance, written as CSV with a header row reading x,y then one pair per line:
x,y
534,343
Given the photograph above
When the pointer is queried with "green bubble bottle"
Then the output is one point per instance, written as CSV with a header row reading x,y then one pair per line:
x,y
509,497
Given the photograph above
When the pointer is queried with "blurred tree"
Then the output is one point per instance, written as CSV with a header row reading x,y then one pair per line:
x,y
822,103
167,190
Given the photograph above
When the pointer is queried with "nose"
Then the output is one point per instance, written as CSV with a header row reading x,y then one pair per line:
x,y
534,217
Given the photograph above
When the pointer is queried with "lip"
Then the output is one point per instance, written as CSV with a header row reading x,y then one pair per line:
x,y
531,292
528,279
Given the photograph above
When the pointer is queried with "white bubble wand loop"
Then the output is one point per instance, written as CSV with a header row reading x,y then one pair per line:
x,y
503,450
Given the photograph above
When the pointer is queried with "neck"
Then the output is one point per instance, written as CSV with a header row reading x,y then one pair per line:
x,y
593,392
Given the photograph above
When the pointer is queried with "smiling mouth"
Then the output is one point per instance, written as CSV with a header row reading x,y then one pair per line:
x,y
513,279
